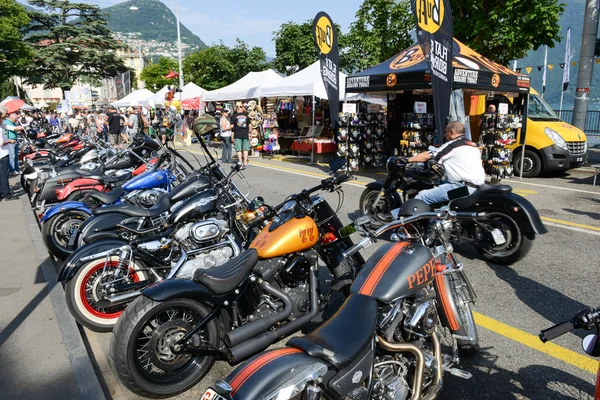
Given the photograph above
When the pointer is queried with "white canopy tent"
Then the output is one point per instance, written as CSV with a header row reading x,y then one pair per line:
x,y
191,91
157,99
247,87
134,98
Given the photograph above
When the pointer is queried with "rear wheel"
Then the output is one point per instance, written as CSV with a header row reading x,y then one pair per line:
x,y
140,348
87,288
516,246
57,232
379,214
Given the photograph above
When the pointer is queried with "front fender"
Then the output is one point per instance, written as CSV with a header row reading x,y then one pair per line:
x,y
391,195
178,288
518,207
274,374
62,207
73,263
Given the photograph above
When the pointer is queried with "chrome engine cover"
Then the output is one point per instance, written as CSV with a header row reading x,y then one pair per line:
x,y
193,234
148,198
213,257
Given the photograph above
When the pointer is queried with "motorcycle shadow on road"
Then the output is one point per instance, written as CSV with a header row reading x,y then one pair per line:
x,y
490,381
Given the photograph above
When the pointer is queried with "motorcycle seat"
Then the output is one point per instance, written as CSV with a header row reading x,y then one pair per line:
x,y
341,339
162,205
227,277
107,197
481,191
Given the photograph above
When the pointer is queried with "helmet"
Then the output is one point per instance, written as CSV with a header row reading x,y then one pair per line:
x,y
205,124
413,207
31,134
40,143
89,156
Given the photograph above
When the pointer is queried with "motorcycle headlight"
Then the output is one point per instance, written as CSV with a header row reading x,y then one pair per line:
x,y
556,138
390,164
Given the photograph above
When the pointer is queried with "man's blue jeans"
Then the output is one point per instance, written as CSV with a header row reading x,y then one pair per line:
x,y
13,157
226,156
439,194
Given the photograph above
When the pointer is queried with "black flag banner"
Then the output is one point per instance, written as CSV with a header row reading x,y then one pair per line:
x,y
435,33
327,45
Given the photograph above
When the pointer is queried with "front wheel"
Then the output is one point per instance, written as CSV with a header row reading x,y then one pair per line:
x,y
91,284
57,232
379,214
499,228
468,347
140,349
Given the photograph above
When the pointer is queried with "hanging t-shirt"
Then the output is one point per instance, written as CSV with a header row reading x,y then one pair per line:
x,y
241,123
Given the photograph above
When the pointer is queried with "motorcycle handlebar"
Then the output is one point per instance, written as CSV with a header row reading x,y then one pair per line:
x,y
557,331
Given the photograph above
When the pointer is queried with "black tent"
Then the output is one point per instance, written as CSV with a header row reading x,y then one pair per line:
x,y
410,70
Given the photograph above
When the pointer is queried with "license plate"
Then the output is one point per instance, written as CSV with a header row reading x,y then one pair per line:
x,y
498,237
212,395
579,159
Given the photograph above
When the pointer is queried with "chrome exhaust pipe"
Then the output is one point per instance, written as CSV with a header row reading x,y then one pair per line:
x,y
118,299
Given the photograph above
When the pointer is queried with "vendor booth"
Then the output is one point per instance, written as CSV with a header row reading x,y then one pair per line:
x,y
135,98
409,125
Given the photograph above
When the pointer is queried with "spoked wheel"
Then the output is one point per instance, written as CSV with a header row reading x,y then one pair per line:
x,y
380,214
58,230
516,245
89,286
142,350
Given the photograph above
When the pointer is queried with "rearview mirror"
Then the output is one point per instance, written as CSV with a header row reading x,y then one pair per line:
x,y
591,345
256,203
458,193
337,164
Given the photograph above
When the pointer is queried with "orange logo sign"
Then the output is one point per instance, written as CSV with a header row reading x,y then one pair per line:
x,y
306,235
391,80
495,80
430,14
408,58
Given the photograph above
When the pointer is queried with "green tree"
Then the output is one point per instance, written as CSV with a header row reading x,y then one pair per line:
x,y
381,30
71,42
217,66
15,54
152,74
506,30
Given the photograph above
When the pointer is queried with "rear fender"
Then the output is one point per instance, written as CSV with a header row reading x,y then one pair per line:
x,y
523,212
391,195
79,184
62,207
179,288
105,223
74,262
275,374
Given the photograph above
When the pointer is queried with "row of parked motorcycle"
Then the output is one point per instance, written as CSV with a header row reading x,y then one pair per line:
x,y
185,270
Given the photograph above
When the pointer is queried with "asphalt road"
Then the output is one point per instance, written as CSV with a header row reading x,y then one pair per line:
x,y
558,278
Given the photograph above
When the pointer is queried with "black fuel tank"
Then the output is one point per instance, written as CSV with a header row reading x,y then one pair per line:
x,y
195,206
395,270
188,188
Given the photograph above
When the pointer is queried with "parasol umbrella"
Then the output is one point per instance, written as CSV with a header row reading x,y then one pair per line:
x,y
13,105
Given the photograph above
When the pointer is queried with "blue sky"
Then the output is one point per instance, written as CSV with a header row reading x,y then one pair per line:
x,y
253,22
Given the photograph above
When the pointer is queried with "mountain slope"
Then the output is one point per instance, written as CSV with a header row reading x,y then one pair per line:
x,y
153,19
572,17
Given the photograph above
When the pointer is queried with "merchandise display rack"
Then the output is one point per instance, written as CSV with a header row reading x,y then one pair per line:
x,y
497,132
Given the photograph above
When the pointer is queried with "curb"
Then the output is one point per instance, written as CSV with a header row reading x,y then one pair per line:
x,y
83,370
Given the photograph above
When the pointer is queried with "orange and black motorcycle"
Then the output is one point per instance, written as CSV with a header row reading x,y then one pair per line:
x,y
169,337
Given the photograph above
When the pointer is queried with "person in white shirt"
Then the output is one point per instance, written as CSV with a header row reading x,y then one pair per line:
x,y
461,160
5,193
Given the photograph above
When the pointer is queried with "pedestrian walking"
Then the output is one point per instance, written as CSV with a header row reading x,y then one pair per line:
x,y
241,124
11,128
5,142
114,127
226,137
133,123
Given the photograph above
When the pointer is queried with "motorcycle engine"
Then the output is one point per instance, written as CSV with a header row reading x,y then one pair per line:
x,y
269,306
390,384
195,234
207,259
410,319
148,198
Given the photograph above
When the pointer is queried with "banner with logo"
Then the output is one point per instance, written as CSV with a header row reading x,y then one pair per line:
x,y
326,41
435,34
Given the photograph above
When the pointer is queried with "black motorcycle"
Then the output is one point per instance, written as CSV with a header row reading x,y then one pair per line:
x,y
505,236
385,342
169,338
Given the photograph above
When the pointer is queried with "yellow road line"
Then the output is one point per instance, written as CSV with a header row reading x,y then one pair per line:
x,y
570,357
524,192
573,224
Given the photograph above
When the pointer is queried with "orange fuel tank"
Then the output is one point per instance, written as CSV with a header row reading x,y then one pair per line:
x,y
297,234
66,138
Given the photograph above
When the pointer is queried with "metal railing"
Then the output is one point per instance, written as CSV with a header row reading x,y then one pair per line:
x,y
592,120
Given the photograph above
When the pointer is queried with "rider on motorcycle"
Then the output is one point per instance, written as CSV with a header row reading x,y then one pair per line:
x,y
461,160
